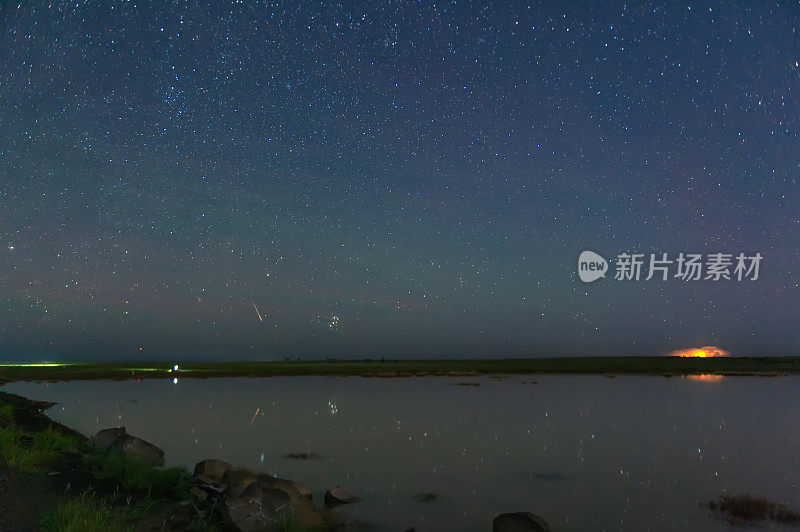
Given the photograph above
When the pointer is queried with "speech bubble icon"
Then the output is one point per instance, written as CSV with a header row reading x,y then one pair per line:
x,y
591,266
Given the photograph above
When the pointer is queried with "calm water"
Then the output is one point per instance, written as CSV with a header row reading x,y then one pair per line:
x,y
584,452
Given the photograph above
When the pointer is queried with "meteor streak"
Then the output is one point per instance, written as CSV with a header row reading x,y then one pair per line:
x,y
260,318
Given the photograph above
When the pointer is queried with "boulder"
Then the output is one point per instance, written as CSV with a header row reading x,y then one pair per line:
x,y
211,488
279,483
105,438
253,512
303,512
212,469
198,494
118,439
203,480
304,491
139,449
519,522
336,496
235,481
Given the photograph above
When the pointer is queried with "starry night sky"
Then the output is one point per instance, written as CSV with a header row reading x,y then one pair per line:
x,y
400,179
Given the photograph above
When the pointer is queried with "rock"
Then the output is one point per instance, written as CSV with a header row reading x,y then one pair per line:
x,y
265,503
252,512
117,438
304,491
198,494
291,484
139,449
211,488
303,511
105,438
212,469
519,522
336,496
235,481
275,500
208,481
303,456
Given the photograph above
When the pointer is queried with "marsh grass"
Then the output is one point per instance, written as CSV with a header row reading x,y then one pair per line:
x,y
288,524
117,491
85,513
143,507
33,452
747,508
7,412
615,365
200,524
133,475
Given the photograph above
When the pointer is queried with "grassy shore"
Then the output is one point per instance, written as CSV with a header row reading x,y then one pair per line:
x,y
666,366
53,480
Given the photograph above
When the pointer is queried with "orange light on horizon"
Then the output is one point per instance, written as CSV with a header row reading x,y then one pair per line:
x,y
705,377
709,351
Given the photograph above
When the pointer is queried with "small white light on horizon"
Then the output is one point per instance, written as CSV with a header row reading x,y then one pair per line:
x,y
176,367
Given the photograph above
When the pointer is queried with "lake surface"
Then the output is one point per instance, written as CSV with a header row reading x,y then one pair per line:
x,y
584,452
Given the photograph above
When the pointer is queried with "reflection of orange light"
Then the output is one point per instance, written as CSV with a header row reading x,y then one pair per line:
x,y
705,377
708,351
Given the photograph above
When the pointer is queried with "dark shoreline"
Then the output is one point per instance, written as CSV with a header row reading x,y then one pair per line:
x,y
664,366
51,478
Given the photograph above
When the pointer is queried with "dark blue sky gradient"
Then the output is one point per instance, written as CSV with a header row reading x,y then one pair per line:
x,y
400,179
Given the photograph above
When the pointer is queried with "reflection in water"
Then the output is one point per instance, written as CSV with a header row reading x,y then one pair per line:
x,y
586,453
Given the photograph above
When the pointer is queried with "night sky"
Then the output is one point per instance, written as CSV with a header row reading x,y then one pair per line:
x,y
399,179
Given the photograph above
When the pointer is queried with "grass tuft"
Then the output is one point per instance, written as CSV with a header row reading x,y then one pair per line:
x,y
288,523
33,451
85,513
133,475
200,524
7,412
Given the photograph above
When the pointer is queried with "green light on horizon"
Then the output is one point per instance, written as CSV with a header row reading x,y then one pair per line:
x,y
34,365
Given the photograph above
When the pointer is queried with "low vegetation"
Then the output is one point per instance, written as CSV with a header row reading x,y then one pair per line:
x,y
132,475
666,366
85,513
744,509
112,491
33,452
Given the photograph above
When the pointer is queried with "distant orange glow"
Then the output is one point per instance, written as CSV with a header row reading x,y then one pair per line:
x,y
705,377
709,351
